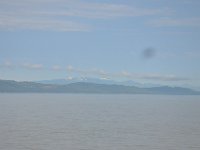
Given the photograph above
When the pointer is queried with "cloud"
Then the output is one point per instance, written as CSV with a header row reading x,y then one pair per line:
x,y
70,68
60,15
107,10
7,64
32,15
162,77
148,76
32,66
10,65
124,75
13,23
97,73
56,67
87,72
175,22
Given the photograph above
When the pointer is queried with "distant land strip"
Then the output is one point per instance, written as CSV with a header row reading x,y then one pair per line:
x,y
11,86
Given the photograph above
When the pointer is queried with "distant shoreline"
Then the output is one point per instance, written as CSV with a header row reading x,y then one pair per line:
x,y
10,86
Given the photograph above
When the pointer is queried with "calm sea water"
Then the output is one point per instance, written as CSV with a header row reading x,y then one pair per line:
x,y
99,122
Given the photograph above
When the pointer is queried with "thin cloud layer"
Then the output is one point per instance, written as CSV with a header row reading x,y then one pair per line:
x,y
60,15
32,66
123,75
56,68
7,64
175,22
99,73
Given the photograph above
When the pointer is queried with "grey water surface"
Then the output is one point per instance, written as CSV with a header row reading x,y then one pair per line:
x,y
99,122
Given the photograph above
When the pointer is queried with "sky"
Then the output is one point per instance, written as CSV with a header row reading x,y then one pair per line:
x,y
148,41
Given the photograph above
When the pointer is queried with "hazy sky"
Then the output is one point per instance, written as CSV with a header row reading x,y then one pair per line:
x,y
154,41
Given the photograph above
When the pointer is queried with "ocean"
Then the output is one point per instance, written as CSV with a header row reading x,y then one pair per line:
x,y
99,122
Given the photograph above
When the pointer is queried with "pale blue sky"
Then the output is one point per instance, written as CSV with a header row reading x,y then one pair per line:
x,y
47,39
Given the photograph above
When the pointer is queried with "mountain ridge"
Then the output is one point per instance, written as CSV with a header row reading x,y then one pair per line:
x,y
62,81
11,86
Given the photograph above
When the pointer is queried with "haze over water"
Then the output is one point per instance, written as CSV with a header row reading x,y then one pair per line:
x,y
99,122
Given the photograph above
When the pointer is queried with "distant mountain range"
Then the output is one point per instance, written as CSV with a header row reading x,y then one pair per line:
x,y
97,81
9,86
